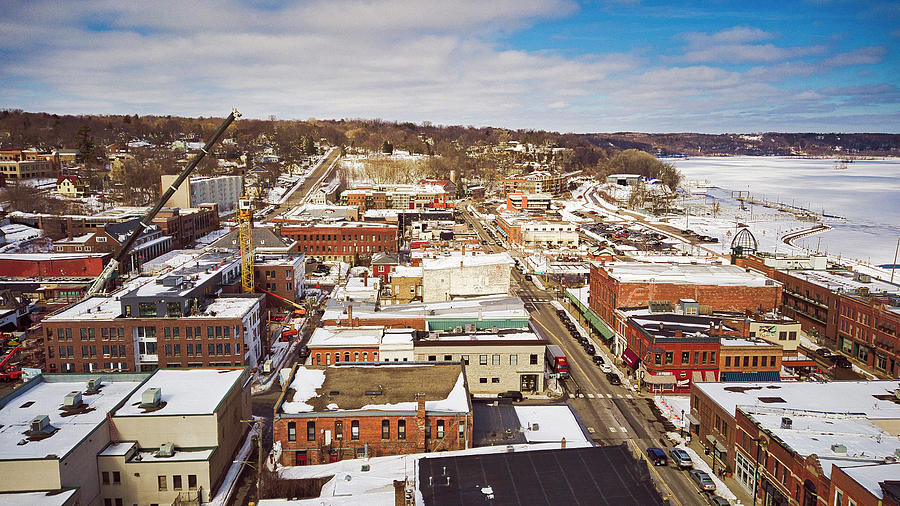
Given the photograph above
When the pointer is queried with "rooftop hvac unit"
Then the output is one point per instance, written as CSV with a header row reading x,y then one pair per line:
x,y
72,400
150,398
457,329
786,422
93,384
166,450
40,424
839,448
470,327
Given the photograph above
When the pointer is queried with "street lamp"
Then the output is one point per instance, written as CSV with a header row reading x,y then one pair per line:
x,y
760,442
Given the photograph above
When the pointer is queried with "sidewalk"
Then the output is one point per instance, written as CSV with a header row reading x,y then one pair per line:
x,y
743,497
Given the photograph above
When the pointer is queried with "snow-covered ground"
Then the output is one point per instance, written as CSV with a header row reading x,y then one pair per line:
x,y
17,237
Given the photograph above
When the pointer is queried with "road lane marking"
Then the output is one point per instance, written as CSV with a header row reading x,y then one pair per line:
x,y
619,396
629,396
609,396
653,468
612,429
590,396
623,429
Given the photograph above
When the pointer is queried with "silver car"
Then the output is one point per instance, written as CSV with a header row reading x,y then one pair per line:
x,y
704,480
681,458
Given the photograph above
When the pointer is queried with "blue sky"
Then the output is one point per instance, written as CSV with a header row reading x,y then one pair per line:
x,y
589,66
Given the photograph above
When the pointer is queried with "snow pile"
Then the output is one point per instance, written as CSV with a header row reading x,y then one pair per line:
x,y
306,382
672,406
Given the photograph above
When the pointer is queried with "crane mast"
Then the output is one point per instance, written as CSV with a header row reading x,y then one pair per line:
x,y
245,229
147,220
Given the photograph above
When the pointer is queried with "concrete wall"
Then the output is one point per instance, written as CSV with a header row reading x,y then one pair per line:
x,y
28,475
184,431
140,480
441,284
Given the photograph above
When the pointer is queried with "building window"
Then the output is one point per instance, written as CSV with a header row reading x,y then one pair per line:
x,y
385,429
346,356
465,359
292,431
696,357
755,361
482,380
513,359
440,429
192,482
338,429
685,357
482,359
712,357
105,476
746,361
495,380
657,358
670,357
764,361
533,359
495,360
727,361
117,478
448,358
703,358
432,358
310,431
401,429
354,430
147,309
161,482
176,482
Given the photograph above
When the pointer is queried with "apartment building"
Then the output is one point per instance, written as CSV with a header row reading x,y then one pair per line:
x,y
27,164
282,276
534,232
174,320
397,196
150,244
537,182
221,190
115,439
350,411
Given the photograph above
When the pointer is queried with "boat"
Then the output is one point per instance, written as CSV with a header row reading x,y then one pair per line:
x,y
840,166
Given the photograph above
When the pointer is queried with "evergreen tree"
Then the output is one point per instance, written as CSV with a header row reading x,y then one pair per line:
x,y
387,147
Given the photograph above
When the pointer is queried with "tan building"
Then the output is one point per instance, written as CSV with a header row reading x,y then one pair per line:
x,y
495,362
71,186
222,190
124,438
25,169
405,284
742,359
784,332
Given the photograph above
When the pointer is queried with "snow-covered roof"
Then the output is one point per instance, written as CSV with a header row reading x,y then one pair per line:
x,y
499,336
690,274
454,261
871,475
487,307
406,271
845,280
340,336
349,387
872,398
43,257
46,397
734,341
185,392
815,432
48,498
544,424
232,307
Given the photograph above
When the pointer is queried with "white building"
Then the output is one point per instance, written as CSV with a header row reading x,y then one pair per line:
x,y
465,276
222,190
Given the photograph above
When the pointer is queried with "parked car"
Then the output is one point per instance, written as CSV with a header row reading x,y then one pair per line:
x,y
703,479
304,353
842,362
716,500
606,368
528,277
590,349
613,378
681,458
598,359
512,395
823,352
657,456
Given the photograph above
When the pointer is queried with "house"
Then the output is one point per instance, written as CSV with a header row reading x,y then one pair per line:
x,y
72,186
352,411
382,263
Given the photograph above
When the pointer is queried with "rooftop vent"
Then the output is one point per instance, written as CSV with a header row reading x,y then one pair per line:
x,y
40,425
150,398
72,400
165,450
373,392
839,448
334,392
94,384
786,422
863,278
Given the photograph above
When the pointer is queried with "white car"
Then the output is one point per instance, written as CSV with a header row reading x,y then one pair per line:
x,y
605,367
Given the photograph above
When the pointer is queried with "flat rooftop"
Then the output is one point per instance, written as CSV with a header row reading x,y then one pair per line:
x,y
454,261
685,274
875,399
607,475
377,387
870,476
185,392
341,336
486,307
48,498
816,432
842,280
45,396
493,337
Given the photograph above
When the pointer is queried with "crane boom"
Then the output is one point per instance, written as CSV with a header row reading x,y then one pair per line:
x,y
146,221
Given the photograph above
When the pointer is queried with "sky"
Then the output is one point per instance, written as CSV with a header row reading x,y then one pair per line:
x,y
712,66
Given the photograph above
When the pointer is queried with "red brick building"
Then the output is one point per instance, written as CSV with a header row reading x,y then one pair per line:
x,y
866,331
382,264
326,414
52,265
347,241
344,344
719,287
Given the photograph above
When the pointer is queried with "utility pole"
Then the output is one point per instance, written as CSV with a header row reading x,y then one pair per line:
x,y
894,265
257,424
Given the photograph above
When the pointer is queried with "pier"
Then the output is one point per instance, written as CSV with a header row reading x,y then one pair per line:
x,y
800,212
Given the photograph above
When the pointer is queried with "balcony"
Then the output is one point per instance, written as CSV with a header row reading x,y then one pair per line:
x,y
796,310
805,298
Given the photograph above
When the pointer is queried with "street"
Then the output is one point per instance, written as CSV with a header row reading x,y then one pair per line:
x,y
612,414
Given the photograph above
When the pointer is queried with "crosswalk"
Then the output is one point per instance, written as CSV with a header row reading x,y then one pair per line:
x,y
607,396
529,298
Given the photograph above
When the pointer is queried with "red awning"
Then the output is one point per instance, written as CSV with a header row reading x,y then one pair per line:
x,y
631,359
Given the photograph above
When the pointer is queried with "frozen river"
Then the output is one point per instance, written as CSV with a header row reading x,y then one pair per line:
x,y
867,194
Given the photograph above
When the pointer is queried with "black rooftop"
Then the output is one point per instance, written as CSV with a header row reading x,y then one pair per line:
x,y
607,475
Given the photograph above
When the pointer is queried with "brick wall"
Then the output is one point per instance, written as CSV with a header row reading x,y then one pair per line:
x,y
317,355
391,323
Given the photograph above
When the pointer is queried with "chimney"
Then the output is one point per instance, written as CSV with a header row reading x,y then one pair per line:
x,y
661,326
350,314
420,406
461,262
678,333
562,443
366,278
399,493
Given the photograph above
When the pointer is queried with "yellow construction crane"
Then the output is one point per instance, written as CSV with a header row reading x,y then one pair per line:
x,y
245,228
